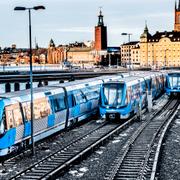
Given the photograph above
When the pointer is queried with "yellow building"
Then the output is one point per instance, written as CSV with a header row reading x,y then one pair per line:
x,y
161,49
158,50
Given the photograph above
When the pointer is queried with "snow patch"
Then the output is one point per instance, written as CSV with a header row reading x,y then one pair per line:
x,y
99,152
73,172
100,121
177,121
84,169
115,141
79,174
123,135
94,159
47,150
175,140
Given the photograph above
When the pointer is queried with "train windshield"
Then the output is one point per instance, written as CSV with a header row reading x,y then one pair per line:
x,y
113,95
174,81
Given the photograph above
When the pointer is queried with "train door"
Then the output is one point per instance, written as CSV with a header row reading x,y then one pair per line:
x,y
73,109
59,110
143,94
92,95
14,119
43,117
153,87
136,89
81,106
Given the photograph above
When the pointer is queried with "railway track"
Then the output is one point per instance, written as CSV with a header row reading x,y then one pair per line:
x,y
54,164
138,159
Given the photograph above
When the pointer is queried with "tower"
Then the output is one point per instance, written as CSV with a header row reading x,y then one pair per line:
x,y
177,17
51,50
144,38
100,34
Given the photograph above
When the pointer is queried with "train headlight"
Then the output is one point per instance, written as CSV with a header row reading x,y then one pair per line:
x,y
103,116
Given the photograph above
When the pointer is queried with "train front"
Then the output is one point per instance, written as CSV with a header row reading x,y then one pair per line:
x,y
173,83
114,101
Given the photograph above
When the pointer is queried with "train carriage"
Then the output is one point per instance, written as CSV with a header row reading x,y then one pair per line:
x,y
125,97
55,108
172,85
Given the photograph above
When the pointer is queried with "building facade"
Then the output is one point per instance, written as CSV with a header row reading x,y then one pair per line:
x,y
159,50
127,57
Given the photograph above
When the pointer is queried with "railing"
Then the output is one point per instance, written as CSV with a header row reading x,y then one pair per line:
x,y
50,67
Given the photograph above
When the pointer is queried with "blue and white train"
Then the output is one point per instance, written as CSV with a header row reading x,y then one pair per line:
x,y
56,107
122,98
172,83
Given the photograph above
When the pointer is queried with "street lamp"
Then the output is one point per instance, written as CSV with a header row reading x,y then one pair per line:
x,y
129,39
31,72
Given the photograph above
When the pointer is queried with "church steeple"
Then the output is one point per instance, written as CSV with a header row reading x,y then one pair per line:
x,y
100,19
179,6
51,43
145,35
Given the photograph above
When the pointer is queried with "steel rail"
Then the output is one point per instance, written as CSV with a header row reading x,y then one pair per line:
x,y
129,145
62,159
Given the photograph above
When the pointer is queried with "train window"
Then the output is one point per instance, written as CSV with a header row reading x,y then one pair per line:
x,y
113,94
59,103
91,92
92,95
13,116
41,109
9,118
71,102
3,123
79,97
27,110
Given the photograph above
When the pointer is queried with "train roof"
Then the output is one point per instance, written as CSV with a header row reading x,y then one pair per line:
x,y
135,78
24,95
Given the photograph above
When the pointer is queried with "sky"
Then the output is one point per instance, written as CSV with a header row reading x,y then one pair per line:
x,y
67,21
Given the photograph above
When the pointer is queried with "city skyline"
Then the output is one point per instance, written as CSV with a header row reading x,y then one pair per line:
x,y
65,21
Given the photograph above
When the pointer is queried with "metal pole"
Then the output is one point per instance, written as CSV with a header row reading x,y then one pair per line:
x,y
109,60
129,52
31,84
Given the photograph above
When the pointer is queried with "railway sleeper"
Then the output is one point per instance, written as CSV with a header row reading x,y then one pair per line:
x,y
131,171
37,174
40,170
124,178
128,167
127,172
130,163
127,176
29,177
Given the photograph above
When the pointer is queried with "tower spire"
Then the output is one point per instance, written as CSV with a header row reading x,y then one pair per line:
x,y
146,27
175,6
100,18
179,6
